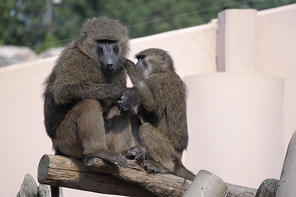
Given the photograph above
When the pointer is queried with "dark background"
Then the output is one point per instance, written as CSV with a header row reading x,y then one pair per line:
x,y
42,24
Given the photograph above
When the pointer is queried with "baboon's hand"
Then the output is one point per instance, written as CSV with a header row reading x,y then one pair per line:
x,y
115,93
152,167
111,156
129,99
119,160
135,153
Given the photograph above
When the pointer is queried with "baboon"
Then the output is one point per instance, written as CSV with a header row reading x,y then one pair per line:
x,y
80,94
157,103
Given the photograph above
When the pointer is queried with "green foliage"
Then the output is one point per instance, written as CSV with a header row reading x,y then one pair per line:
x,y
22,21
50,41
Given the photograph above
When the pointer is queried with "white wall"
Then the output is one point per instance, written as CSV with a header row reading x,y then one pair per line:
x,y
24,140
23,137
236,129
193,49
276,56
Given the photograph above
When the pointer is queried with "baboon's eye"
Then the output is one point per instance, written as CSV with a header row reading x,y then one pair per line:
x,y
84,35
116,49
140,57
99,51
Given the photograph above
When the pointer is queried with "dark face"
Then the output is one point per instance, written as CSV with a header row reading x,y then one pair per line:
x,y
107,53
144,65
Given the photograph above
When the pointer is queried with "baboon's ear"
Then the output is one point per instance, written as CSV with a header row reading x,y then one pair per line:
x,y
84,35
167,62
165,58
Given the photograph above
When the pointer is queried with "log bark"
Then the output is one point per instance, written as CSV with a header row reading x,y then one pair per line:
x,y
207,184
29,187
44,191
240,191
103,177
268,188
287,186
99,176
159,184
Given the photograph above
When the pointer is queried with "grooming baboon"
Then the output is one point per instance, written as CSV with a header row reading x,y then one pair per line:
x,y
81,117
158,99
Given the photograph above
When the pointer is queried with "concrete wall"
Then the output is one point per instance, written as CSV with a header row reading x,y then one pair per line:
x,y
236,119
235,127
276,56
248,43
193,49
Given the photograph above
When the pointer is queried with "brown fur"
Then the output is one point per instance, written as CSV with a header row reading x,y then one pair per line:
x,y
81,117
159,97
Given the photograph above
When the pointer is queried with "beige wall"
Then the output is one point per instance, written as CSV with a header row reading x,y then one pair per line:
x,y
24,141
233,117
277,56
23,138
193,49
235,128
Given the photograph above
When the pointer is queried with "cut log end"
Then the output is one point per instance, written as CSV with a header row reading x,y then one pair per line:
x,y
43,168
207,184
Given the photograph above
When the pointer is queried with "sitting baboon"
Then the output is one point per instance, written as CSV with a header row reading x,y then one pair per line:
x,y
157,102
80,113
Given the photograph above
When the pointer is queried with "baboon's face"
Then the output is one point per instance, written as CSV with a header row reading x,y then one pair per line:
x,y
107,53
151,61
144,65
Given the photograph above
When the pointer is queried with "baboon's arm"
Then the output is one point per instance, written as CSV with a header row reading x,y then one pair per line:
x,y
72,93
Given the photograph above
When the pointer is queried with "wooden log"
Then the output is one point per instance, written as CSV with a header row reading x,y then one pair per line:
x,y
159,184
104,177
287,186
206,184
240,191
68,172
29,187
268,188
44,191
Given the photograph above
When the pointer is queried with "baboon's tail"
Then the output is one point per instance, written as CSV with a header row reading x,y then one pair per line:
x,y
182,171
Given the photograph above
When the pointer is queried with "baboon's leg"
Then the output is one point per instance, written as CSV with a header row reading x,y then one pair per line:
x,y
90,126
82,130
118,130
92,134
82,133
159,148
